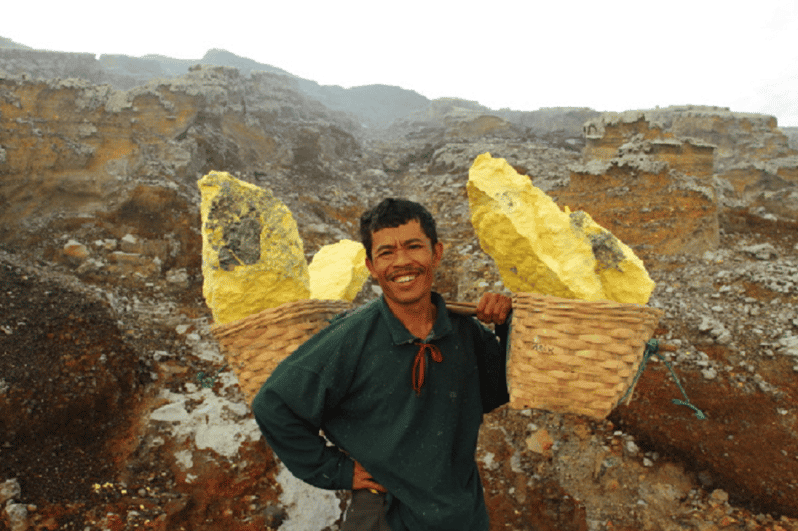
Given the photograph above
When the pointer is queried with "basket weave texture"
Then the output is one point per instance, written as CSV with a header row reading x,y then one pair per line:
x,y
574,356
256,344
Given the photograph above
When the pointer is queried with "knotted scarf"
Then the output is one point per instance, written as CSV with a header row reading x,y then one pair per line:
x,y
420,364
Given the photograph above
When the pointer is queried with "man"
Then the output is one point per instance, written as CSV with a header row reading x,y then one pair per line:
x,y
398,388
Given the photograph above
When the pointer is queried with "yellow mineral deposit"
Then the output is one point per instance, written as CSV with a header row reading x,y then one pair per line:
x,y
539,248
252,255
338,271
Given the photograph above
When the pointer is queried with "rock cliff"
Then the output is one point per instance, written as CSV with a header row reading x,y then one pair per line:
x,y
82,154
653,190
736,136
754,163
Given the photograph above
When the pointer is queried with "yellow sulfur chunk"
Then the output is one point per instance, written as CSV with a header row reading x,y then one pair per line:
x,y
252,255
539,248
338,271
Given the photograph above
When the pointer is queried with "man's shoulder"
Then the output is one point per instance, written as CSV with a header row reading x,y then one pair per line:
x,y
336,343
357,316
349,325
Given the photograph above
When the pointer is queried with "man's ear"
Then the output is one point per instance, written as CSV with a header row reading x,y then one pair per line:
x,y
437,254
370,267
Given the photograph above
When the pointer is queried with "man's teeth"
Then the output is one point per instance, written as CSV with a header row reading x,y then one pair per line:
x,y
406,278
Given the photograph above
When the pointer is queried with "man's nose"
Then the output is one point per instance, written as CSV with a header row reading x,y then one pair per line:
x,y
401,257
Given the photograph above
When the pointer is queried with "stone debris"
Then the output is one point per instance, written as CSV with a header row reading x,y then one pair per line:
x,y
539,442
17,515
9,490
76,250
539,248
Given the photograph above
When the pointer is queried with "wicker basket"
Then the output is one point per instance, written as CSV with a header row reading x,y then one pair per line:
x,y
574,356
256,344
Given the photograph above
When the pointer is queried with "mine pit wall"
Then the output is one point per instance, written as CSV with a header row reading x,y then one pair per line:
x,y
789,172
605,134
652,177
664,213
653,191
67,148
689,158
84,161
78,158
49,65
737,137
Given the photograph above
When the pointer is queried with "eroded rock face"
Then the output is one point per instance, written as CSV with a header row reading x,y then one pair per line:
x,y
663,212
650,188
49,65
735,136
749,157
73,147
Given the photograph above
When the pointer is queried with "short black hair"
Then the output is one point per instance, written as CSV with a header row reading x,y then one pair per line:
x,y
391,213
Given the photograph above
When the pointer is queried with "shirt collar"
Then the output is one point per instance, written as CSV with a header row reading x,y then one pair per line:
x,y
400,334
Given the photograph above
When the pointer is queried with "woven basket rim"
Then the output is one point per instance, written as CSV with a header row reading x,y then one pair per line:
x,y
286,310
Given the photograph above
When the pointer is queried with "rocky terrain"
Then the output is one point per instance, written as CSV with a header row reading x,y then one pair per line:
x,y
118,410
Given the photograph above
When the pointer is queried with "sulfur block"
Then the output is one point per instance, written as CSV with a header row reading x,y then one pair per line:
x,y
252,255
338,271
539,248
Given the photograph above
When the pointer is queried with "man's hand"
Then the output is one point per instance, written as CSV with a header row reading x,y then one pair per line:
x,y
494,308
363,480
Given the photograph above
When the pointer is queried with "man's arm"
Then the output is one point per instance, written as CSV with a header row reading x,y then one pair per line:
x,y
494,308
288,410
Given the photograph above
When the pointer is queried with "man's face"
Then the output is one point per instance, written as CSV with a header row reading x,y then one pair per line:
x,y
403,262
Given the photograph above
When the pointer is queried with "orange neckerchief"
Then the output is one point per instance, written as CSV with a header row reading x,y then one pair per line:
x,y
420,364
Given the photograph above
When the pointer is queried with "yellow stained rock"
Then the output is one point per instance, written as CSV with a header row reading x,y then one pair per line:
x,y
252,255
539,248
338,271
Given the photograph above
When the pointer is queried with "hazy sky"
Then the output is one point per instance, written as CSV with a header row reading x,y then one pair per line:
x,y
610,55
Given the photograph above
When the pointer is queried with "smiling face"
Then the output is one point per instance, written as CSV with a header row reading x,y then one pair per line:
x,y
403,262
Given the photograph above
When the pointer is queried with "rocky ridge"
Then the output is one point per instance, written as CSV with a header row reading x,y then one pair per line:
x,y
375,107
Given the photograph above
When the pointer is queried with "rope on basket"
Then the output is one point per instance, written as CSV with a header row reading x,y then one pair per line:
x,y
652,348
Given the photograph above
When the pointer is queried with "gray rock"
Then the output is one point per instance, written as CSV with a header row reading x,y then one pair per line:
x,y
789,345
9,490
761,251
17,515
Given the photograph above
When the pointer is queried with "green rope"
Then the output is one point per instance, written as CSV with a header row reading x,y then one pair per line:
x,y
652,348
208,381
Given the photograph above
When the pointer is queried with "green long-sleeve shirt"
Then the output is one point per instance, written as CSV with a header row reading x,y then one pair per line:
x,y
353,380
